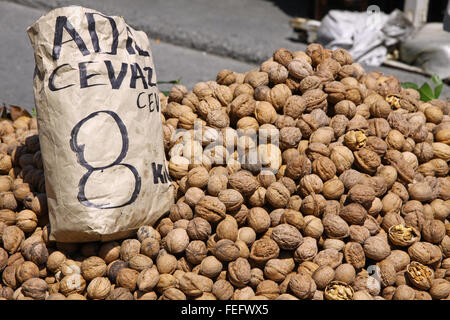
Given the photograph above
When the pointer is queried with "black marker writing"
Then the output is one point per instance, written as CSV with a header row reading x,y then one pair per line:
x,y
79,150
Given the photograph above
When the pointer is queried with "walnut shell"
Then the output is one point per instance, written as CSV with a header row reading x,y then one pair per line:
x,y
338,290
286,236
263,250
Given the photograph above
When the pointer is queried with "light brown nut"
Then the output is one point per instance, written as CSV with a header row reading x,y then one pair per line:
x,y
376,248
222,289
403,236
239,272
73,283
302,286
278,269
335,226
211,209
425,252
338,290
420,275
176,240
354,255
306,251
226,250
440,289
286,236
99,288
12,238
277,195
147,279
263,250
433,231
330,257
258,219
194,285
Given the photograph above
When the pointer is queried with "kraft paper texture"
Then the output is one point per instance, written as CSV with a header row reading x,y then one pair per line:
x,y
99,123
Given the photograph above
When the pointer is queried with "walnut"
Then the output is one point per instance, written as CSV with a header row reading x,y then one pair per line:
x,y
376,248
93,267
277,269
25,271
194,285
12,238
302,286
310,83
345,273
140,262
278,95
147,279
299,68
34,288
367,160
354,254
335,226
210,267
227,229
354,213
223,290
226,250
324,168
278,74
292,217
338,290
244,182
362,194
342,157
265,112
287,236
231,198
73,283
433,231
420,275
283,56
298,166
99,288
403,236
263,250
176,240
440,289
211,209
310,184
313,227
330,257
127,278
313,204
239,272
226,77
315,99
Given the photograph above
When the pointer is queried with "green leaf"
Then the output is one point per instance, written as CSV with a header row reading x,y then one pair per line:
x,y
170,82
436,80
166,93
410,85
33,113
439,85
426,93
438,90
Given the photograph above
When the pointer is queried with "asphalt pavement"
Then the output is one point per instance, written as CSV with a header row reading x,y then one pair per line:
x,y
191,40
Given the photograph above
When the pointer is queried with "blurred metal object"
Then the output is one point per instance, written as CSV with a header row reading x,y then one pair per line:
x,y
417,11
447,18
306,28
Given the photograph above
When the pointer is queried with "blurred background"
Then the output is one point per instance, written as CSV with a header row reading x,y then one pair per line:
x,y
193,40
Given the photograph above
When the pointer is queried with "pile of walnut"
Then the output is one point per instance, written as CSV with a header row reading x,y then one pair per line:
x,y
347,198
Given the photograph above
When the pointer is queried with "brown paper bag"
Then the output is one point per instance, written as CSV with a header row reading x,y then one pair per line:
x,y
99,126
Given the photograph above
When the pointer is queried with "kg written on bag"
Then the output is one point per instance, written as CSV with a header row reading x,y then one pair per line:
x,y
100,127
